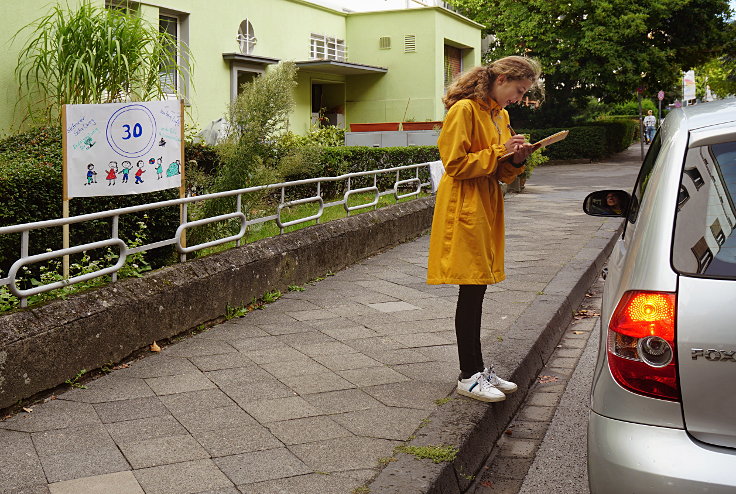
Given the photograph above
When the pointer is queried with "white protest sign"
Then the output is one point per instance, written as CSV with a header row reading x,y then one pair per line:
x,y
122,148
688,85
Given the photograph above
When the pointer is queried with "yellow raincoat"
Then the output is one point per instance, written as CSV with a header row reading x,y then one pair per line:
x,y
467,241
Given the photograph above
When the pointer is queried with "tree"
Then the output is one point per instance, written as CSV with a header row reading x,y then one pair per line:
x,y
720,73
93,55
256,120
607,48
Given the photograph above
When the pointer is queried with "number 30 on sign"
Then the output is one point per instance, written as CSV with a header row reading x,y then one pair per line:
x,y
131,131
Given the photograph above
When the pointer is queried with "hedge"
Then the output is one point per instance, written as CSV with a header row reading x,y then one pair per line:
x,y
582,142
348,159
633,121
619,133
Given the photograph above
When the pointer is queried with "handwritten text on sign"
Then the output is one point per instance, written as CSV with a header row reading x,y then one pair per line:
x,y
122,148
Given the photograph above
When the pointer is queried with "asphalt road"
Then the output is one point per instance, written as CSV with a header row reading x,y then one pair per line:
x,y
560,463
544,448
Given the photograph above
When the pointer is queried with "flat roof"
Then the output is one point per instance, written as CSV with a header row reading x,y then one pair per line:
x,y
239,57
340,68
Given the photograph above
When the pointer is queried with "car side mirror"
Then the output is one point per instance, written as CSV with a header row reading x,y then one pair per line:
x,y
612,203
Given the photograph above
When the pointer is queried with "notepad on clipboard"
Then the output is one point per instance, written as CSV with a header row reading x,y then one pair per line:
x,y
541,143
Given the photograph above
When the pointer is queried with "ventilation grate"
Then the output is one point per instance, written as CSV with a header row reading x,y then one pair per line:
x,y
384,43
410,43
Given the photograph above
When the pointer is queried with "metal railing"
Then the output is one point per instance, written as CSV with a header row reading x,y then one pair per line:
x,y
414,186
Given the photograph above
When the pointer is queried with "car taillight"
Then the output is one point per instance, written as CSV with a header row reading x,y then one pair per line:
x,y
641,344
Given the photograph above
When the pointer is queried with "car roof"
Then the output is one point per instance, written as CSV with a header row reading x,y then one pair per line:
x,y
705,114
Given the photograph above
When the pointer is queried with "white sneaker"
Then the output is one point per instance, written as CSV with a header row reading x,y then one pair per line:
x,y
479,387
506,386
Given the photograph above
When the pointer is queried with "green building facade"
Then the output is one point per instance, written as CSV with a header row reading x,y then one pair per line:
x,y
385,66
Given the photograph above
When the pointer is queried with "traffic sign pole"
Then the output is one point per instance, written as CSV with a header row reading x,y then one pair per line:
x,y
660,97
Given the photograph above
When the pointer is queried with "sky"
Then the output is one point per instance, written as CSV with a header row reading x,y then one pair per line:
x,y
369,5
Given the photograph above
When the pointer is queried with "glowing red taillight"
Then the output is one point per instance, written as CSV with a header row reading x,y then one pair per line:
x,y
641,344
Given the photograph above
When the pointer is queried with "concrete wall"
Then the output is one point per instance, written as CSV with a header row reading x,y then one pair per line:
x,y
42,347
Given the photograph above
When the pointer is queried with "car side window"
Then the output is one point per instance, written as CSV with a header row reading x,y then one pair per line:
x,y
705,239
642,181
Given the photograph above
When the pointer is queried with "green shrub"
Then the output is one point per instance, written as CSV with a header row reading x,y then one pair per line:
x,y
329,136
206,157
534,160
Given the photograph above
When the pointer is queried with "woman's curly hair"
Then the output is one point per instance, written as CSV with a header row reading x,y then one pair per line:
x,y
477,82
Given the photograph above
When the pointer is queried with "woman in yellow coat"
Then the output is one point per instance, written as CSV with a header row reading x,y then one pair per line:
x,y
467,242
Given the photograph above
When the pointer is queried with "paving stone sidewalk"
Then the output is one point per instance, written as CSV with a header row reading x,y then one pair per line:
x,y
311,394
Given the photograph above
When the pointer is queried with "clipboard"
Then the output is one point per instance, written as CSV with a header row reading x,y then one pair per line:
x,y
541,143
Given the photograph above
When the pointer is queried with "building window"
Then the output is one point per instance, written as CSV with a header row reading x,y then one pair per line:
x,y
246,38
323,47
717,232
453,64
168,74
122,6
702,254
696,177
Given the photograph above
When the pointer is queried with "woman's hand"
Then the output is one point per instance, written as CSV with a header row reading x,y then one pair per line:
x,y
520,147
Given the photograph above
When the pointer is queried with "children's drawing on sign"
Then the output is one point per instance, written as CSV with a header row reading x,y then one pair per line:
x,y
173,169
139,172
159,168
121,141
91,175
112,173
125,171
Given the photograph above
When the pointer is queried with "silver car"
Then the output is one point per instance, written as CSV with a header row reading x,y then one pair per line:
x,y
663,400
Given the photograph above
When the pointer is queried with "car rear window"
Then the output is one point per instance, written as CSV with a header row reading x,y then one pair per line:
x,y
705,240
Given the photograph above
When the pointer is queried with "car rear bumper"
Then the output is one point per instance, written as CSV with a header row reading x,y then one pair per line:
x,y
629,457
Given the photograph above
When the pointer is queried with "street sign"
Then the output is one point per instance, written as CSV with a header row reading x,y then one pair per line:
x,y
688,85
660,95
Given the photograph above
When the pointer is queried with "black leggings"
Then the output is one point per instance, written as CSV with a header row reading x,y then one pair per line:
x,y
467,328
